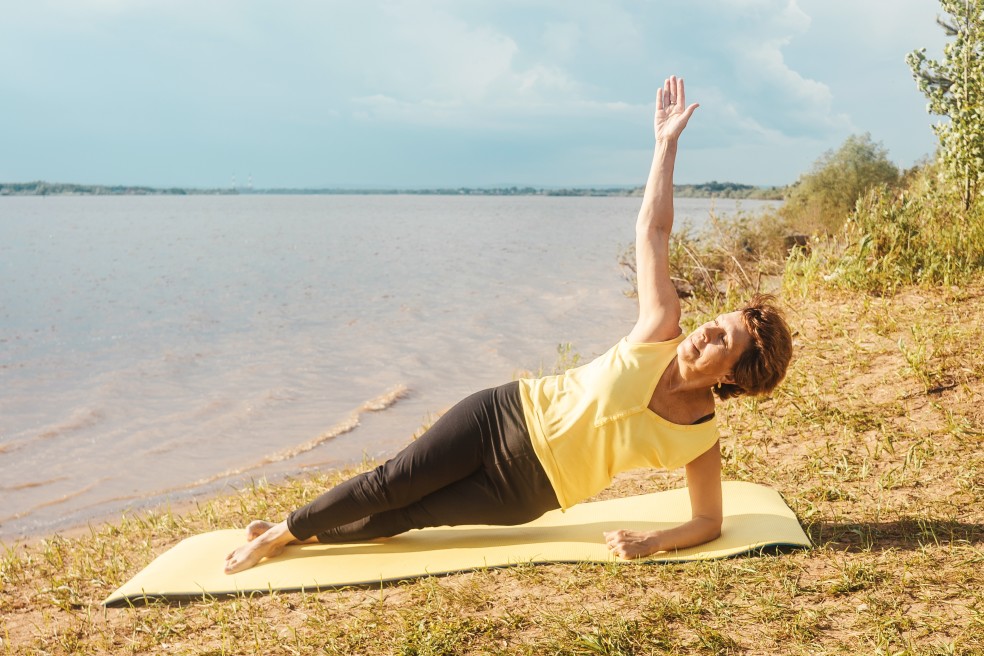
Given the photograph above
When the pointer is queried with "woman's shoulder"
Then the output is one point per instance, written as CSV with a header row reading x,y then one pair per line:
x,y
654,332
631,341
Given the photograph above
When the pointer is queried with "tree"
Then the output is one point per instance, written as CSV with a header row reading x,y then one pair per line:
x,y
955,88
823,197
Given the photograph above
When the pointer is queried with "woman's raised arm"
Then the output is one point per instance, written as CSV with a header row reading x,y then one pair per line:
x,y
659,307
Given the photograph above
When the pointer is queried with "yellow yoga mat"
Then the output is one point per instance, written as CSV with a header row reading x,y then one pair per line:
x,y
755,518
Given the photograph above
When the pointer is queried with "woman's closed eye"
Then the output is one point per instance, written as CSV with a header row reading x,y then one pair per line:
x,y
721,335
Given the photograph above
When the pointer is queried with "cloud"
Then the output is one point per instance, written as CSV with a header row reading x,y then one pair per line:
x,y
561,39
479,65
469,75
514,76
760,94
483,72
505,116
458,71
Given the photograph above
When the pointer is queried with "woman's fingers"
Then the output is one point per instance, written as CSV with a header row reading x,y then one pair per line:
x,y
672,95
672,112
616,542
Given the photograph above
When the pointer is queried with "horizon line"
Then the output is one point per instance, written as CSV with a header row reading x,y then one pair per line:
x,y
372,188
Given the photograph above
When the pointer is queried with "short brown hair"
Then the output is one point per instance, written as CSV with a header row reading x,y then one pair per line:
x,y
763,364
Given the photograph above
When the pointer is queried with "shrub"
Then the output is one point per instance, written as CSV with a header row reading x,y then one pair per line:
x,y
821,199
919,235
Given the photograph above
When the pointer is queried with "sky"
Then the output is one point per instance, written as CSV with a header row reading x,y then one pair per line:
x,y
447,93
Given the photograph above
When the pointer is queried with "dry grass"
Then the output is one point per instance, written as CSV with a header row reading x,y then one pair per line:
x,y
874,440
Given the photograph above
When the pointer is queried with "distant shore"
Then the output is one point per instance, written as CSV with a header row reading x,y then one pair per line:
x,y
712,189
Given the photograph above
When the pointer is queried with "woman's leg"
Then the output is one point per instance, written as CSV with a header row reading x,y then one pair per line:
x,y
509,488
511,492
449,451
475,465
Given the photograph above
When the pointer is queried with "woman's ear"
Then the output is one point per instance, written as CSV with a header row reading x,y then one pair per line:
x,y
727,379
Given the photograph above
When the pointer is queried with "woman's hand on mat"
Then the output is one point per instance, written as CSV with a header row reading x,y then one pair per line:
x,y
672,112
632,544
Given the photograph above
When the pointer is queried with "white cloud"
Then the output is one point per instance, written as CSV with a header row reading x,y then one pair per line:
x,y
759,96
463,74
805,104
506,115
555,75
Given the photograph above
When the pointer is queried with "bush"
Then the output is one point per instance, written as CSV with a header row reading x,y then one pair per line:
x,y
893,238
821,200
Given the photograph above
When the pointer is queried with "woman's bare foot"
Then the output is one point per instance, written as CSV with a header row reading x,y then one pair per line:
x,y
256,528
265,540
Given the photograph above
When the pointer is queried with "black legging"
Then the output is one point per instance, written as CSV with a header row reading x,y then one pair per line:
x,y
475,465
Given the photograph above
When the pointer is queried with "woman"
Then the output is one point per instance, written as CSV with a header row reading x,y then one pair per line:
x,y
507,455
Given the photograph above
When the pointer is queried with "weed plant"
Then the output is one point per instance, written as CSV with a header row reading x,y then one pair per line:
x,y
725,262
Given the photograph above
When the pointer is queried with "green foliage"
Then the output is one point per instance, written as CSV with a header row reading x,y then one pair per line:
x,y
41,188
955,88
822,198
922,234
916,236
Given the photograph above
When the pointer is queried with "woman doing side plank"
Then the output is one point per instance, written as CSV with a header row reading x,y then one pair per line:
x,y
509,454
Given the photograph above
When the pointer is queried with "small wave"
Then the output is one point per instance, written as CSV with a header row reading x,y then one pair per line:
x,y
31,484
351,423
80,420
386,400
377,404
54,502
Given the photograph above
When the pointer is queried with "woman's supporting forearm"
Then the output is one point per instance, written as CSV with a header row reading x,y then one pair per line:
x,y
689,534
637,544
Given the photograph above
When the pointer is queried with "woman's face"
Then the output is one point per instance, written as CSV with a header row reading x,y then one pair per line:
x,y
714,348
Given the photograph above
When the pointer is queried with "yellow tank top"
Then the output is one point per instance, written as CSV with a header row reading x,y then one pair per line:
x,y
593,422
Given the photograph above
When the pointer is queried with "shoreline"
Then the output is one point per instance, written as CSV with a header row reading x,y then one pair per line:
x,y
711,190
183,506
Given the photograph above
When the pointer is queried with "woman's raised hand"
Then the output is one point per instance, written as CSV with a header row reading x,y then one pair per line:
x,y
672,112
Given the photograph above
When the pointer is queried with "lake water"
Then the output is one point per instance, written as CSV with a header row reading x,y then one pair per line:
x,y
159,348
